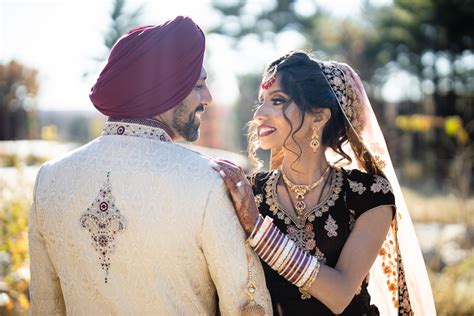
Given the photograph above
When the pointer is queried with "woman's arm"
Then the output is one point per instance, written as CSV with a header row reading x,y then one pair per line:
x,y
334,287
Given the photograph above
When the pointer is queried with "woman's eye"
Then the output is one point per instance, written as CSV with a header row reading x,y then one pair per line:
x,y
199,86
278,101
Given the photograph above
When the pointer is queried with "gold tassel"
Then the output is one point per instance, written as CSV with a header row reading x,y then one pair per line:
x,y
251,308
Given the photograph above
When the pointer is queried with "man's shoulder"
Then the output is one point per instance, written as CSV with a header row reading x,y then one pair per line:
x,y
68,157
180,165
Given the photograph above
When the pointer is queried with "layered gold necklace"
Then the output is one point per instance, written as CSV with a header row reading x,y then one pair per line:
x,y
301,190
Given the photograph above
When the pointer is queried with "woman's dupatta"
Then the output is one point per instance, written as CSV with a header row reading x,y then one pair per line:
x,y
399,283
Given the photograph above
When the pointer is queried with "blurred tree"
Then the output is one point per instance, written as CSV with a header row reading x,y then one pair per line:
x,y
121,22
329,38
434,41
18,89
430,39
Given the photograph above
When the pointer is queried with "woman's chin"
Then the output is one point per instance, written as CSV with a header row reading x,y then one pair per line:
x,y
264,146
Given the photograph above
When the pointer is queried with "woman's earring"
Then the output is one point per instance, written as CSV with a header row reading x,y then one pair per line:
x,y
314,144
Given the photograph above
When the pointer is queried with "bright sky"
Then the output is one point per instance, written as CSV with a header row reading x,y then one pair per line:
x,y
60,38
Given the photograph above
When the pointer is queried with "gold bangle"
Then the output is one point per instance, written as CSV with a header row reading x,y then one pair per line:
x,y
312,278
303,269
307,272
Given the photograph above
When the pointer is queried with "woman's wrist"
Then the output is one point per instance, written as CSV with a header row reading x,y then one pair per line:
x,y
253,224
283,255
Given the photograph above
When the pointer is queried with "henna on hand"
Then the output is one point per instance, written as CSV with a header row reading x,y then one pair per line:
x,y
241,194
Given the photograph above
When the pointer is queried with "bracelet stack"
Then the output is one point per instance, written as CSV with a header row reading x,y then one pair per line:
x,y
283,255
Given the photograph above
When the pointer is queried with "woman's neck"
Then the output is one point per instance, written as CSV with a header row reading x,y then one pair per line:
x,y
306,169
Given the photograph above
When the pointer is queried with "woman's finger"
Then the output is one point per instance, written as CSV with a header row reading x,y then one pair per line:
x,y
225,164
228,181
230,163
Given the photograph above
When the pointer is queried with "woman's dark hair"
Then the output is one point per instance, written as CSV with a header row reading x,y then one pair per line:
x,y
302,79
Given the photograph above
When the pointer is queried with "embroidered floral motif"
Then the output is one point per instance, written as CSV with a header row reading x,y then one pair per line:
x,y
403,297
331,226
345,89
258,199
351,219
103,221
304,238
356,186
388,253
302,233
137,130
381,184
393,269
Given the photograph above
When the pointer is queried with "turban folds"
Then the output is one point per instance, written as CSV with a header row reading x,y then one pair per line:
x,y
150,70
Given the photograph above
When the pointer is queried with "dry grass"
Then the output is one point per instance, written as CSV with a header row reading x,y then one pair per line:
x,y
439,208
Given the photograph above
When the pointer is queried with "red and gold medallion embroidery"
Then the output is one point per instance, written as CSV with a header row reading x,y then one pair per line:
x,y
103,221
304,238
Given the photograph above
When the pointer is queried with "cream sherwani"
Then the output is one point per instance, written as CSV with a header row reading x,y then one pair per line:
x,y
133,224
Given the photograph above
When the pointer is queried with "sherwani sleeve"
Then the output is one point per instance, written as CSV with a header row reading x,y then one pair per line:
x,y
45,289
223,242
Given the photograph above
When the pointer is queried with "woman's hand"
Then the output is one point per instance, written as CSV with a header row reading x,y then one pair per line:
x,y
240,191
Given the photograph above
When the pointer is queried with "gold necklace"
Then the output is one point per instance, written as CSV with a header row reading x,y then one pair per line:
x,y
300,190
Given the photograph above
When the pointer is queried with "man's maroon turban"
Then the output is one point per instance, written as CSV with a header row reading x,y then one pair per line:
x,y
150,70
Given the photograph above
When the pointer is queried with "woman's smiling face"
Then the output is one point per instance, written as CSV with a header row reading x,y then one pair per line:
x,y
272,126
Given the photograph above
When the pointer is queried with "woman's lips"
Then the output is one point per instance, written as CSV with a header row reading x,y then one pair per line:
x,y
264,130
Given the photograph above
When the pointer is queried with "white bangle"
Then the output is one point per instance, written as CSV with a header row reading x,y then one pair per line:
x,y
281,246
263,228
289,245
292,273
308,272
257,224
267,247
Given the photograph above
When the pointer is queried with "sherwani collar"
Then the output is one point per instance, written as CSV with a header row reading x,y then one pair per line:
x,y
138,127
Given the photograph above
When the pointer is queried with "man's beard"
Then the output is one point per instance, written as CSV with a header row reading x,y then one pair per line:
x,y
185,125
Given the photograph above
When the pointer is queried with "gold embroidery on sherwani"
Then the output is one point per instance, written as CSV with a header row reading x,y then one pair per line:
x,y
103,221
136,130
